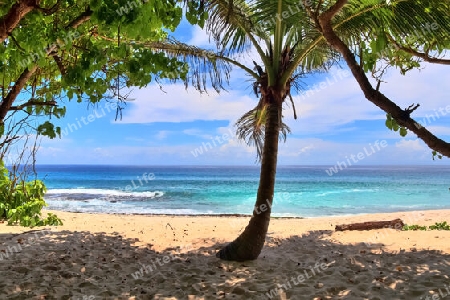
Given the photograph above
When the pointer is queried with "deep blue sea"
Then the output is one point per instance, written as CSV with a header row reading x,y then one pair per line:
x,y
302,191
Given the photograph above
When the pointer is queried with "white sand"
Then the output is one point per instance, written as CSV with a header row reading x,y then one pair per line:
x,y
96,256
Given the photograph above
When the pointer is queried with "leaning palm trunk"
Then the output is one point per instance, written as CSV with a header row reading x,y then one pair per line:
x,y
249,244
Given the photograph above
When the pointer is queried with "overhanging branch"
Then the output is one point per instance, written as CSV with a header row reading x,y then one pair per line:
x,y
402,117
425,56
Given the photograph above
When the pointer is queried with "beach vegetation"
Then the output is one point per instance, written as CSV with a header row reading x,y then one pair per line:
x,y
415,227
436,226
21,201
440,226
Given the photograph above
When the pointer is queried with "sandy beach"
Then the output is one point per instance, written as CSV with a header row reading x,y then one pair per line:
x,y
98,256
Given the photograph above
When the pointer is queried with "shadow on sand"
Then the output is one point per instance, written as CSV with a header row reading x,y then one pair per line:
x,y
82,265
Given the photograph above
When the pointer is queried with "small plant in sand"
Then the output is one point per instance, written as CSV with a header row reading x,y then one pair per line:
x,y
21,202
440,226
414,227
436,226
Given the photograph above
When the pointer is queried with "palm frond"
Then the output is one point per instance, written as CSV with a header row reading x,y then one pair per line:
x,y
398,18
250,128
203,67
230,25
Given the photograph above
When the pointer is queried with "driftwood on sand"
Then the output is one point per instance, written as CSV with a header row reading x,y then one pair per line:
x,y
394,224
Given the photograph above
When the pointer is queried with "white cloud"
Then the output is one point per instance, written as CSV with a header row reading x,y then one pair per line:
x,y
295,151
192,131
306,149
342,101
161,135
100,151
200,38
197,133
427,86
179,105
414,151
336,100
338,103
134,139
410,145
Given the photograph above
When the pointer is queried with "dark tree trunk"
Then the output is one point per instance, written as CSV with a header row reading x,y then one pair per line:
x,y
249,244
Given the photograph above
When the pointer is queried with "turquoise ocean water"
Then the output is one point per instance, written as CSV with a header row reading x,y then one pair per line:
x,y
302,191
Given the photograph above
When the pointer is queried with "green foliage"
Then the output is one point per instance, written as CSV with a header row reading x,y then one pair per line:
x,y
88,50
436,226
440,226
85,50
413,227
21,202
437,154
421,26
48,129
196,13
393,125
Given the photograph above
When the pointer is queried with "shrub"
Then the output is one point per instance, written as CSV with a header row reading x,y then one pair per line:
x,y
414,227
21,202
436,226
440,226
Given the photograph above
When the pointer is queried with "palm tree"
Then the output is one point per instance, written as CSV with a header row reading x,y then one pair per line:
x,y
289,42
287,50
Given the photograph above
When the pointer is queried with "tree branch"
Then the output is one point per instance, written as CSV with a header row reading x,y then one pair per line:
x,y
13,39
10,21
424,56
51,10
331,12
85,16
15,91
412,108
402,117
33,102
60,64
310,12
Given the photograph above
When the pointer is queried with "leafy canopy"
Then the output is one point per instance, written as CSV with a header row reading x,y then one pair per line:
x,y
52,50
75,49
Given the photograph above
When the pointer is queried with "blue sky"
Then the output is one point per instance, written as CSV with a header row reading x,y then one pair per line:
x,y
335,121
